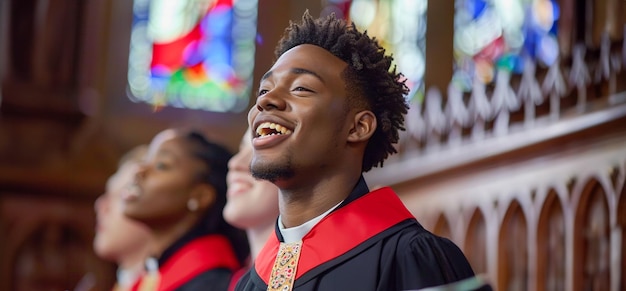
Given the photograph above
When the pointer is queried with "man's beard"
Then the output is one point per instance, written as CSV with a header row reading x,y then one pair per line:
x,y
272,173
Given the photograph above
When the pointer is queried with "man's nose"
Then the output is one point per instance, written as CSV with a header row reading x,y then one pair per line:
x,y
272,100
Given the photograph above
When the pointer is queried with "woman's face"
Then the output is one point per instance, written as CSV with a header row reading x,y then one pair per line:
x,y
118,238
165,182
251,203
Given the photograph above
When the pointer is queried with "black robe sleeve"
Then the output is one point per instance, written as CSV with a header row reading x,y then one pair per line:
x,y
211,280
413,260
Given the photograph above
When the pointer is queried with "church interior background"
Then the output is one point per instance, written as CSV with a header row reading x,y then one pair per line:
x,y
515,142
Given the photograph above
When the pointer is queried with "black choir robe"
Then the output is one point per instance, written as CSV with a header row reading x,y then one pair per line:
x,y
370,242
197,262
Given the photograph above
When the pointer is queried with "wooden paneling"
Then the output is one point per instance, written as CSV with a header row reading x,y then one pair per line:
x,y
621,238
475,238
550,245
45,246
552,223
534,193
592,240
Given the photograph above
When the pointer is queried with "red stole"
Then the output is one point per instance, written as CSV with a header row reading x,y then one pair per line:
x,y
236,276
199,255
340,231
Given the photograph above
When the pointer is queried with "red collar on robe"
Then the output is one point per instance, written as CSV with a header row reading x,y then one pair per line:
x,y
199,255
356,222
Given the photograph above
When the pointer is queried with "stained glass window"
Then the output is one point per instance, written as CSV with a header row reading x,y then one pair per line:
x,y
502,34
399,25
195,54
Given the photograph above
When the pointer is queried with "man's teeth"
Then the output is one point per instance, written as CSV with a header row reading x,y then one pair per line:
x,y
269,128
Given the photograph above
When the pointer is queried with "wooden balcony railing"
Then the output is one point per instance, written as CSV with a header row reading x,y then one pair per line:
x,y
516,111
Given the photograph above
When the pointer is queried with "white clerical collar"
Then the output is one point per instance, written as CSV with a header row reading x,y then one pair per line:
x,y
128,277
296,233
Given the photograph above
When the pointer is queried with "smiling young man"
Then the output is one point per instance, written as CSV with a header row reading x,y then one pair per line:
x,y
328,110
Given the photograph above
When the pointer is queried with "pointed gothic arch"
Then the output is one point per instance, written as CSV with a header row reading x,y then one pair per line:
x,y
513,250
442,227
592,239
476,242
621,223
551,249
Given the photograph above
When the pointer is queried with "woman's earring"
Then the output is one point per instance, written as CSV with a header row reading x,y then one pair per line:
x,y
192,205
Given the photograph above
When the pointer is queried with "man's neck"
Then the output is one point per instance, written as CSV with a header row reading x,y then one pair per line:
x,y
298,206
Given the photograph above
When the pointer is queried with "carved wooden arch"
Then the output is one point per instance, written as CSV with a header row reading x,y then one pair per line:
x,y
449,223
591,250
551,244
621,224
545,195
513,249
442,227
475,245
487,208
583,185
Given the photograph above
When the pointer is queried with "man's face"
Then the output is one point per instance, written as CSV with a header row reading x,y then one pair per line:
x,y
299,124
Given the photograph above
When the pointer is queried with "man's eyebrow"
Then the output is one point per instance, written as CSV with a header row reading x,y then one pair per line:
x,y
300,71
297,71
266,75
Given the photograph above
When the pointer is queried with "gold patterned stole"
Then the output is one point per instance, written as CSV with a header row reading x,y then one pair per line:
x,y
284,270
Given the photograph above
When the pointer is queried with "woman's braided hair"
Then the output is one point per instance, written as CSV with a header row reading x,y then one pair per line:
x,y
370,82
215,159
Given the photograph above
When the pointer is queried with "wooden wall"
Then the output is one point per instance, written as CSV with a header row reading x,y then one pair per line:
x,y
533,191
553,222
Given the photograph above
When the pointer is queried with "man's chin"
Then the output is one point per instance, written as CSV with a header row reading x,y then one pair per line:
x,y
272,175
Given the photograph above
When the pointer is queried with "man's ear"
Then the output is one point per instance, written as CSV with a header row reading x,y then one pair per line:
x,y
363,126
204,194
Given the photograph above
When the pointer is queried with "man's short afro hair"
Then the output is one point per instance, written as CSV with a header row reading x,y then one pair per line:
x,y
368,76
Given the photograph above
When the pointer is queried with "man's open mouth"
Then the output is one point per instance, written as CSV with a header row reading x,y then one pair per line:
x,y
270,128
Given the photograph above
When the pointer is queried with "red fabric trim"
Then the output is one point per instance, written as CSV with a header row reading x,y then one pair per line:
x,y
357,222
236,276
205,253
